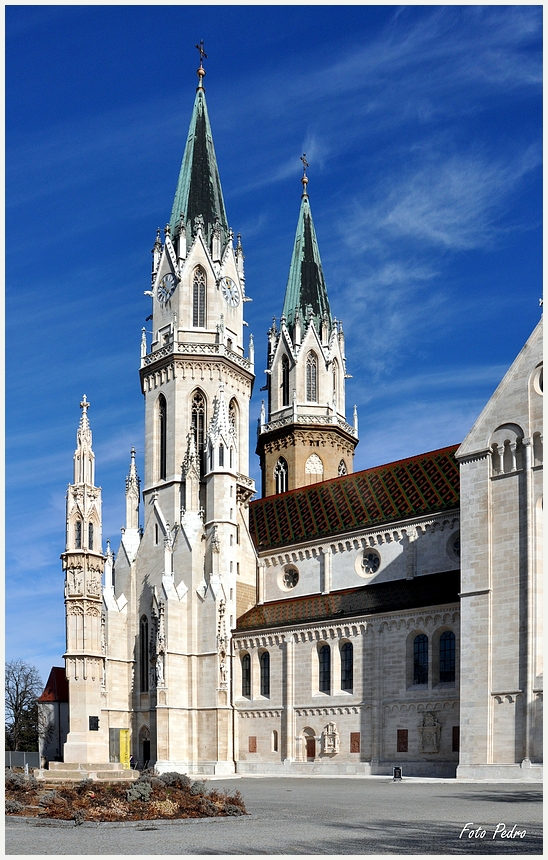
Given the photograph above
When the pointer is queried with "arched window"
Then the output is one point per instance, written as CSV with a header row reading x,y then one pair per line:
x,y
447,656
265,673
311,378
280,475
347,666
274,741
342,469
324,665
143,654
420,659
246,675
90,536
198,298
78,534
162,436
285,380
198,420
221,454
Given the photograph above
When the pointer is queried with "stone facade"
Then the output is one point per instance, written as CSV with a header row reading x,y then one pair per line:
x,y
319,628
501,481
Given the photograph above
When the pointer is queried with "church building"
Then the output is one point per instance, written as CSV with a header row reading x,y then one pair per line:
x,y
343,623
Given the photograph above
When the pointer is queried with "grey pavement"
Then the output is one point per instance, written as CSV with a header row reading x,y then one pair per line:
x,y
317,816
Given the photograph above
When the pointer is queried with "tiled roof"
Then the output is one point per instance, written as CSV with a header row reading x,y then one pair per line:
x,y
421,485
431,590
56,689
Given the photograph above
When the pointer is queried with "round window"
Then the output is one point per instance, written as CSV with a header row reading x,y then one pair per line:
x,y
370,562
453,545
290,577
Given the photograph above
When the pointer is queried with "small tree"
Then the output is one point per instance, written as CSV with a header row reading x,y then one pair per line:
x,y
23,686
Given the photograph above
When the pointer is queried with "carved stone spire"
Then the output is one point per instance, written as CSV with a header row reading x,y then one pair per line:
x,y
84,458
132,495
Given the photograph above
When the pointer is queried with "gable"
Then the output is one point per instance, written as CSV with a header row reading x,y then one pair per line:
x,y
510,402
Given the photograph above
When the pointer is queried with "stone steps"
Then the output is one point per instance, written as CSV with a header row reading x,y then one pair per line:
x,y
75,772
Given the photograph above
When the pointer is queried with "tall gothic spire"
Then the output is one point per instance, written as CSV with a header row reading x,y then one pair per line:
x,y
84,458
198,194
306,291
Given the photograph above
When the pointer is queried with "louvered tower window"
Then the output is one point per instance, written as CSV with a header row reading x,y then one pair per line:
x,y
198,298
198,416
311,378
143,654
285,381
162,436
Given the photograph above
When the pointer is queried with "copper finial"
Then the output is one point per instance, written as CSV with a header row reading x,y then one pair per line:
x,y
201,71
304,180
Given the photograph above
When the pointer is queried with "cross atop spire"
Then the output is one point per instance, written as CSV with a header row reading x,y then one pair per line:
x,y
85,404
304,180
201,71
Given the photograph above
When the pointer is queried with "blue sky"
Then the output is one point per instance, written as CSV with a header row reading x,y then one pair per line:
x,y
422,128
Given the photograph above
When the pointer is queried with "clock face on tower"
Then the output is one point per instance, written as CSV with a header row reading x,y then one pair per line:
x,y
230,292
166,287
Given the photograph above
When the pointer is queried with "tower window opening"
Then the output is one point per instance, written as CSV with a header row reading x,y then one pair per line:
x,y
90,536
221,455
198,420
198,298
162,436
78,534
335,378
285,380
143,654
311,378
156,533
280,475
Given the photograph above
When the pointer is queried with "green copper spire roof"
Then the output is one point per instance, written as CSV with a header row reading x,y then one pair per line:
x,y
199,192
306,285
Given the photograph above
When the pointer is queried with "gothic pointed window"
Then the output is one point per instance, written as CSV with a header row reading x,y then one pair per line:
x,y
162,436
143,654
347,667
221,454
342,469
233,418
198,420
246,675
90,536
420,659
312,378
285,380
78,534
280,475
324,666
264,662
447,656
198,298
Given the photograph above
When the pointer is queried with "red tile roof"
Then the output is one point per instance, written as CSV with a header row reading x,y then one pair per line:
x,y
421,485
56,689
429,590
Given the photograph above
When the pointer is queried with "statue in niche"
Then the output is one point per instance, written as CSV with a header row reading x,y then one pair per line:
x,y
159,670
430,732
330,739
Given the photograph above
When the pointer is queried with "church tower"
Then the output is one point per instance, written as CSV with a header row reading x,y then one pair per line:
x,y
303,436
83,563
191,570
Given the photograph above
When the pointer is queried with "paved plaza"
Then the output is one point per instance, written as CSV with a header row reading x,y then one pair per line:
x,y
319,816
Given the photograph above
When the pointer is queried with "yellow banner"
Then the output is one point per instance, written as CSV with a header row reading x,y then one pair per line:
x,y
124,748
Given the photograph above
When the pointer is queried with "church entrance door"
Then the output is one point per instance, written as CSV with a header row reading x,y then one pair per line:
x,y
311,748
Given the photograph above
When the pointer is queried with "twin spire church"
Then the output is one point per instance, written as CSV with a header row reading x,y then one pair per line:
x,y
318,628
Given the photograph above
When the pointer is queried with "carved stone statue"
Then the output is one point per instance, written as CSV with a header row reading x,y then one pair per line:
x,y
430,732
330,739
